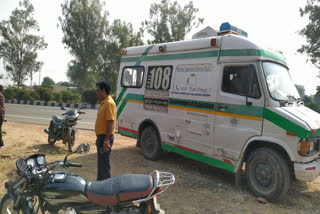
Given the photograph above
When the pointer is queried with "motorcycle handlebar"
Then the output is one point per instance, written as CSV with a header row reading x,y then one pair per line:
x,y
68,164
63,113
19,183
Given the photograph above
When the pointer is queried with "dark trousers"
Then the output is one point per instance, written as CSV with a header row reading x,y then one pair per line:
x,y
1,121
103,158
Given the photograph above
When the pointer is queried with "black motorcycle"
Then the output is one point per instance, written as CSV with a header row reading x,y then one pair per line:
x,y
38,188
64,128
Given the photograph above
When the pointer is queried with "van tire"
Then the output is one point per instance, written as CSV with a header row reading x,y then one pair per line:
x,y
150,143
267,174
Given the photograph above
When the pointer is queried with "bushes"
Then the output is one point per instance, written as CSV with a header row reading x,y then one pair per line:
x,y
69,97
45,94
89,96
42,94
57,97
11,93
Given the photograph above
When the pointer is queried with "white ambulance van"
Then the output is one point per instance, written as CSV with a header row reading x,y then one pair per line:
x,y
224,101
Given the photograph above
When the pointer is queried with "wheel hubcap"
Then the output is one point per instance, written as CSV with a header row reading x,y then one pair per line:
x,y
263,173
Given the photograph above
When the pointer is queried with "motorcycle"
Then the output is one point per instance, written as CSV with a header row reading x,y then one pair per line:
x,y
38,188
64,128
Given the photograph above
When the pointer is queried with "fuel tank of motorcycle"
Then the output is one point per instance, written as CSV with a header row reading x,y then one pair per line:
x,y
64,189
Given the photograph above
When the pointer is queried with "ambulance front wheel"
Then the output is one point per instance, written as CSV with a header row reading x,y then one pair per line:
x,y
150,143
267,174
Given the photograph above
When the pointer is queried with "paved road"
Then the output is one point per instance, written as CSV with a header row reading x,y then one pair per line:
x,y
43,115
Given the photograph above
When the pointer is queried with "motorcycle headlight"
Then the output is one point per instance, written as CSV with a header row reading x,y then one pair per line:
x,y
31,162
41,160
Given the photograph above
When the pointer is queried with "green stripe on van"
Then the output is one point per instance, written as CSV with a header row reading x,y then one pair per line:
x,y
245,110
214,53
121,95
239,52
254,111
141,58
270,55
137,97
191,104
198,157
285,124
129,134
192,55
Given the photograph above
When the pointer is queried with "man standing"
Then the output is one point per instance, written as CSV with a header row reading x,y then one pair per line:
x,y
2,111
104,129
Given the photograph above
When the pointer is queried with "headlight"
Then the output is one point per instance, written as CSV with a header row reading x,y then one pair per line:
x,y
307,147
31,162
312,146
41,160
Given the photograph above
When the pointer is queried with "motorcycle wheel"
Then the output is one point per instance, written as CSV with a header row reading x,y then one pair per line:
x,y
6,205
71,139
51,139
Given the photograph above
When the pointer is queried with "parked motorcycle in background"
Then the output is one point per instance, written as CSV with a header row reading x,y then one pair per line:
x,y
64,128
38,188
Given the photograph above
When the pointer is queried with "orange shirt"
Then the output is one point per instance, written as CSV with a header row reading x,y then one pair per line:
x,y
107,111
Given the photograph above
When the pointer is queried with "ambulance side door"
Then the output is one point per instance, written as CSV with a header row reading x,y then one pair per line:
x,y
239,108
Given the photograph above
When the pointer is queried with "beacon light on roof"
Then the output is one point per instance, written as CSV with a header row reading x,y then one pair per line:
x,y
227,28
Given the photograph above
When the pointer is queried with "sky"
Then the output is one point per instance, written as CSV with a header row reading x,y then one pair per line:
x,y
269,23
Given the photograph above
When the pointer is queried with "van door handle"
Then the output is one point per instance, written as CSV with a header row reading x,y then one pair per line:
x,y
222,107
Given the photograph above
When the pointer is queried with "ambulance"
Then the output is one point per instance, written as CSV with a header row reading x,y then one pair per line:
x,y
222,100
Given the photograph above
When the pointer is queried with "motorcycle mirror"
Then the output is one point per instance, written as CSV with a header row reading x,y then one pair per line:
x,y
83,148
21,165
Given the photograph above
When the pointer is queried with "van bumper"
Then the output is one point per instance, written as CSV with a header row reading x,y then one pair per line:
x,y
307,171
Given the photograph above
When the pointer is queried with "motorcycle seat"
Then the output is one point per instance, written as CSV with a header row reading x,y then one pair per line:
x,y
57,120
125,187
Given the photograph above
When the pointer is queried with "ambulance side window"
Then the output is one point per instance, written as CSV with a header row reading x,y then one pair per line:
x,y
132,77
241,80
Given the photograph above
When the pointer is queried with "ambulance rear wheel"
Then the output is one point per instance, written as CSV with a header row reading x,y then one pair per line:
x,y
150,143
267,174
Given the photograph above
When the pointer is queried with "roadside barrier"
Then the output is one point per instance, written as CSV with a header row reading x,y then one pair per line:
x,y
53,104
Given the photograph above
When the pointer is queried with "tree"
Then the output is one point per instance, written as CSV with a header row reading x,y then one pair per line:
x,y
67,84
301,90
34,68
121,36
170,21
84,25
311,31
19,46
47,81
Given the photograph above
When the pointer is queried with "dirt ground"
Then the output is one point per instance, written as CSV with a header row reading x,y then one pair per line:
x,y
199,188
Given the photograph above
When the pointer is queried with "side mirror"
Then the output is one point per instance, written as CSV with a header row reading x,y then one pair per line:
x,y
63,108
83,148
21,165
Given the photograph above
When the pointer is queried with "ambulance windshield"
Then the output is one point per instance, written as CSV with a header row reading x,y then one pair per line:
x,y
279,82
